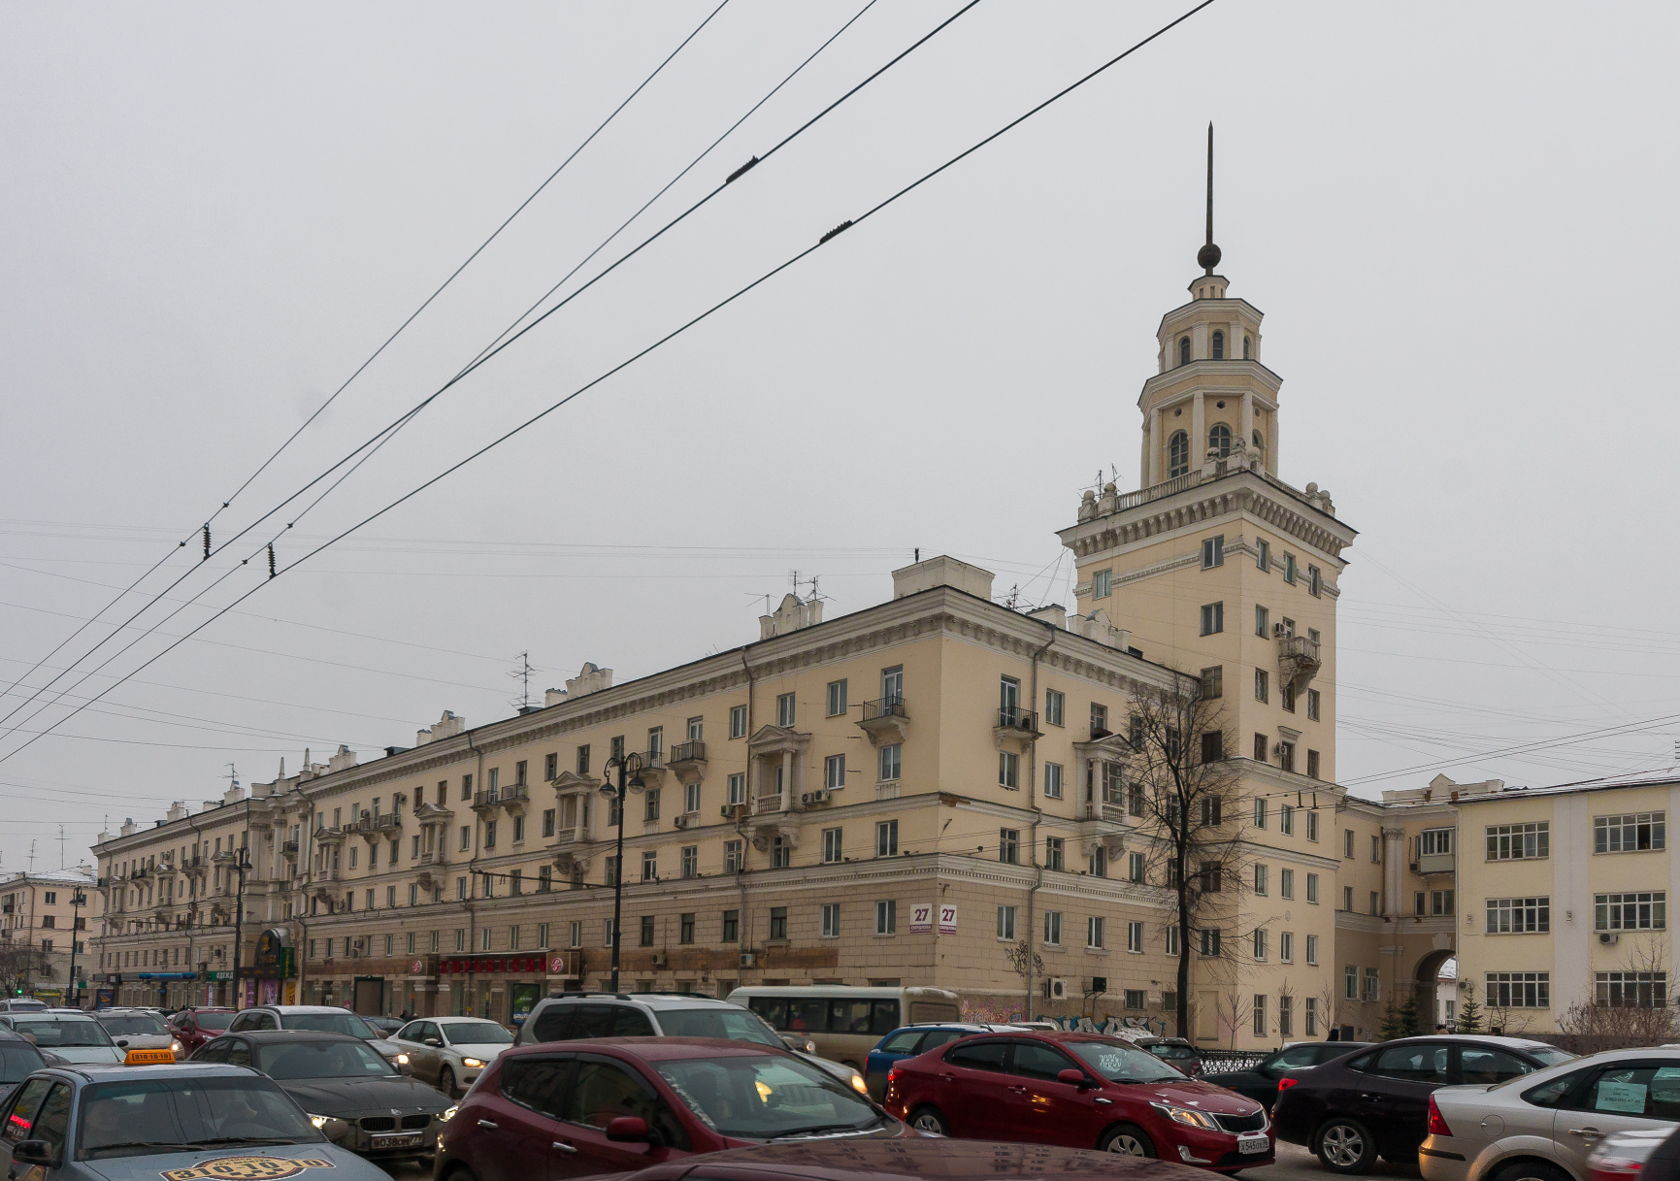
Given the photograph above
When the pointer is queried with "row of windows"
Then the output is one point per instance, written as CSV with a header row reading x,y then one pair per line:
x,y
1533,990
1631,832
1216,344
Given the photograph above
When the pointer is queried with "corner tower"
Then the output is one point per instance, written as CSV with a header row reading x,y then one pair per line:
x,y
1214,565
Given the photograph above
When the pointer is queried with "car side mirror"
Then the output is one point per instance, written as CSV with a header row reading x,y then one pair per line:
x,y
33,1152
122,1041
1074,1078
436,1043
625,1129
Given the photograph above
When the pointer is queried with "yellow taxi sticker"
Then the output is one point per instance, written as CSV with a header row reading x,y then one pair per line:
x,y
142,1057
246,1168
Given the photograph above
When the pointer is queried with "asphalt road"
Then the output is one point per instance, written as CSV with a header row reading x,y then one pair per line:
x,y
1297,1164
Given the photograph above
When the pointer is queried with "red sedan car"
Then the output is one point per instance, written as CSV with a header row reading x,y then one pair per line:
x,y
193,1027
576,1109
1080,1091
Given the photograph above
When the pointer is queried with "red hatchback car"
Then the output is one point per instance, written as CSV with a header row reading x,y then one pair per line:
x,y
576,1109
1081,1091
193,1027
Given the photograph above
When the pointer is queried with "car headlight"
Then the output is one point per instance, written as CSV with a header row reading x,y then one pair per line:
x,y
330,1124
175,1048
858,1085
400,1059
1187,1115
446,1116
472,1063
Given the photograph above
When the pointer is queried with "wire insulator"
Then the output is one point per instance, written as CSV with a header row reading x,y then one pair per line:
x,y
207,542
836,231
741,171
271,559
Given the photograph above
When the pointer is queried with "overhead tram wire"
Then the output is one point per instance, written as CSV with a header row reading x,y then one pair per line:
x,y
381,437
372,357
728,300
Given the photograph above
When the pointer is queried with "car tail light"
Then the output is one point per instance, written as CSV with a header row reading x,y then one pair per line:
x,y
1614,1168
1285,1083
1437,1125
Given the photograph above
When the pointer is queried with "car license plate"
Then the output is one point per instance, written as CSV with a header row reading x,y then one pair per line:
x,y
1253,1142
397,1140
144,1057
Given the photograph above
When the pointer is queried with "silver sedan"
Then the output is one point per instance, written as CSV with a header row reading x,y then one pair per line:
x,y
449,1052
1543,1126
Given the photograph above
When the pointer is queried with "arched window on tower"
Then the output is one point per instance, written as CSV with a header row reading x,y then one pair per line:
x,y
1184,350
1219,439
1248,347
1218,346
1259,442
1178,454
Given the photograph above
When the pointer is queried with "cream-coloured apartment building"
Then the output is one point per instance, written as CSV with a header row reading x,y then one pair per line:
x,y
45,921
932,790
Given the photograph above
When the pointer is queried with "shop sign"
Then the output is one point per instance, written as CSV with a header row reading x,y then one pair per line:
x,y
921,918
472,965
947,920
274,958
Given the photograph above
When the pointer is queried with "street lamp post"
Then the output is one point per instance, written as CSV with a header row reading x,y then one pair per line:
x,y
77,900
629,775
240,867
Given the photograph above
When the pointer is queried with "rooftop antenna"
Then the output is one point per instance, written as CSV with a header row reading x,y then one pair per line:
x,y
1208,256
522,674
233,775
1013,601
61,846
32,857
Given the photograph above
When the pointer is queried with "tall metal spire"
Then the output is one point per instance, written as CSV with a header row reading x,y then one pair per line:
x,y
1208,256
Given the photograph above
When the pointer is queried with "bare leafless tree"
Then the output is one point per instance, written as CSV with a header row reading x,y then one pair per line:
x,y
1233,1010
1182,793
22,964
1614,1022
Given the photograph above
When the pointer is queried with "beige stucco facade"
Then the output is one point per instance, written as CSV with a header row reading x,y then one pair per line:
x,y
52,913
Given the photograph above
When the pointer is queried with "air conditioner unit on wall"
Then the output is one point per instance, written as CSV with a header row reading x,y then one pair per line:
x,y
680,820
1055,988
819,796
1608,937
748,959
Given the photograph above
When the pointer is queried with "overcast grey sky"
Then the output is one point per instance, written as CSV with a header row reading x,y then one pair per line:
x,y
1457,218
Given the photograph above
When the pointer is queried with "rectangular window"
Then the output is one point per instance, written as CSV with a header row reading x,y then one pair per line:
x,y
1376,848
1134,936
650,866
1312,705
833,845
551,769
1432,841
650,804
1375,906
1519,916
1099,720
1212,811
655,743
1286,1015
1260,811
890,762
548,822
1134,998
1052,781
892,683
1286,695
1645,910
1286,882
583,759
1102,584
1350,982
696,729
1055,707
1053,928
1213,747
731,926
1213,618
1009,770
689,859
836,698
1518,990
1289,567
1172,941
886,917
1009,846
1315,581
691,797
1312,764
1519,842
1312,887
1259,1015
1262,621
1286,819
1347,898
1006,922
644,932
736,789
1213,552
1312,825
1441,902
1094,931
1309,1017
1634,832
1347,844
1055,853
1213,682
786,709
1262,553
1262,686
834,772
830,920
1631,990
1286,947
737,721
886,838
1211,941
1373,985
778,931
734,857
1260,876
1136,867
685,927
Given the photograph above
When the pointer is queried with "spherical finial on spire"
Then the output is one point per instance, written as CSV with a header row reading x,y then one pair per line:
x,y
1208,257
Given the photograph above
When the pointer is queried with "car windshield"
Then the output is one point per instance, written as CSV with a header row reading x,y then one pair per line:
x,y
1123,1063
146,1117
477,1033
329,1023
765,1097
1180,1052
49,1033
212,1020
734,1024
323,1059
134,1025
17,1059
1549,1055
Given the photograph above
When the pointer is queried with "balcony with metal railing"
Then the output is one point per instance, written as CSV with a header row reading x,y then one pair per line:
x,y
688,760
1298,658
1015,728
885,720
